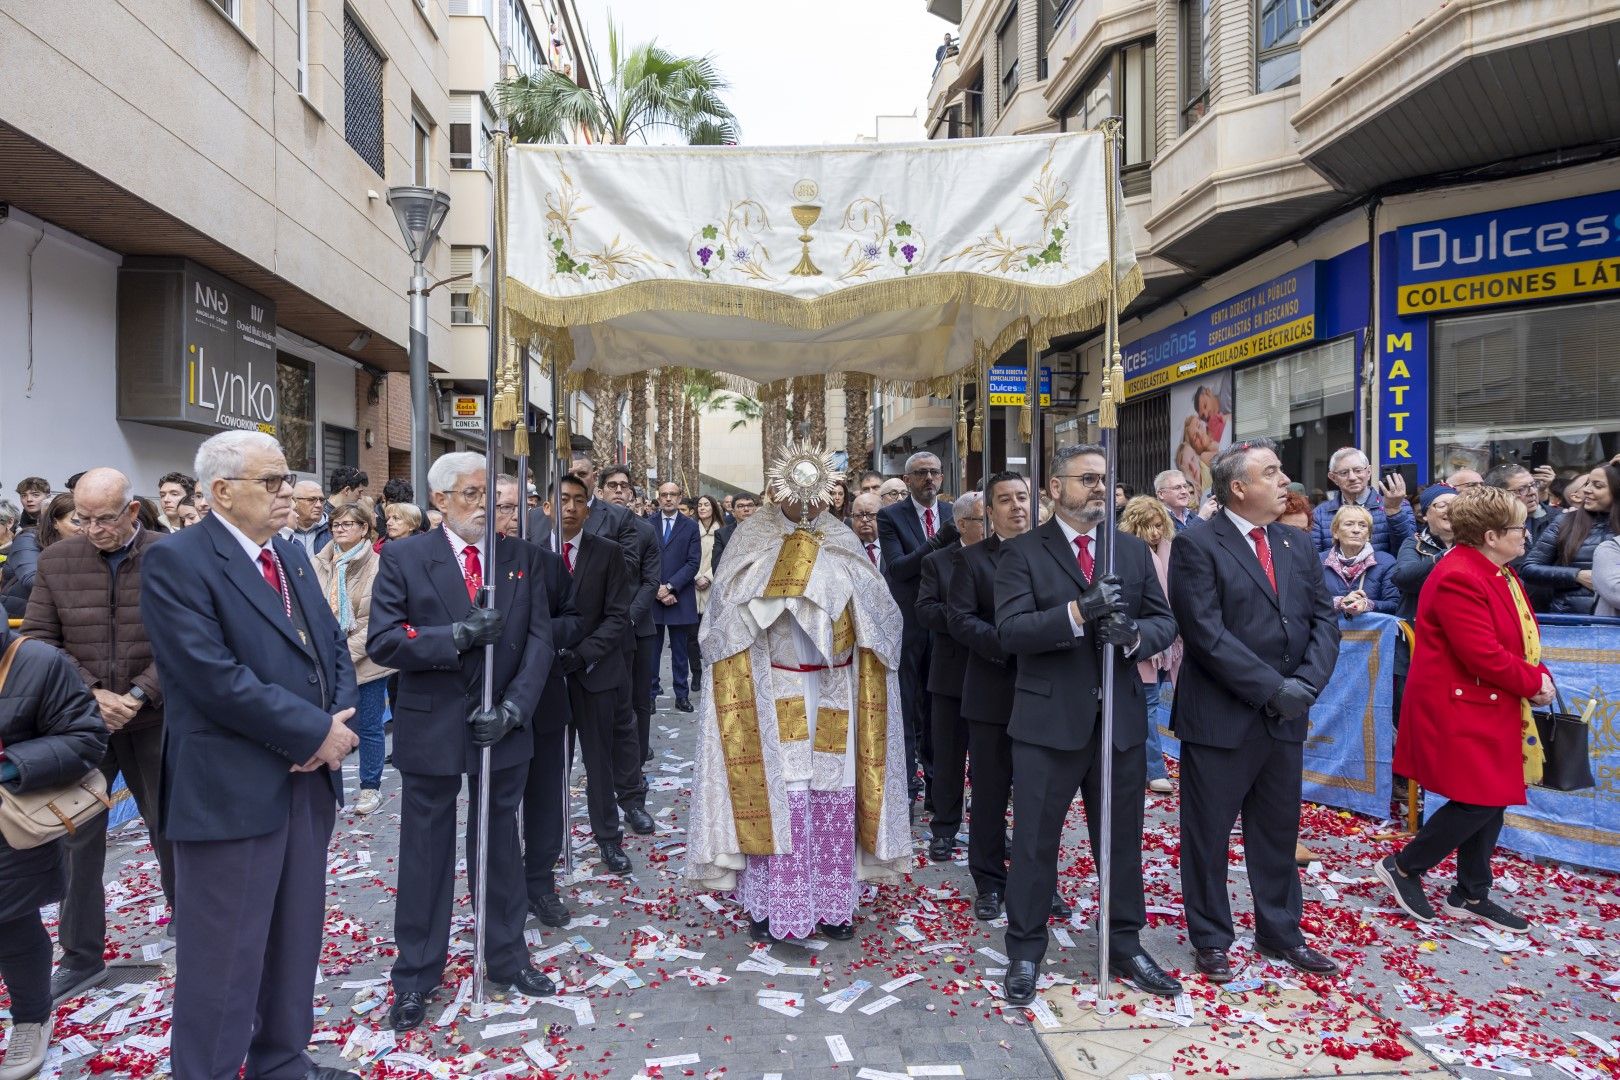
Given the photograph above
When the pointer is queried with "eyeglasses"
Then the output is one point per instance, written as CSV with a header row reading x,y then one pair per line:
x,y
927,472
272,484
306,498
966,520
471,495
865,515
1522,490
1089,479
1469,484
103,521
506,508
337,525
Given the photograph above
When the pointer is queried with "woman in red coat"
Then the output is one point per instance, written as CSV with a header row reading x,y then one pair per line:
x,y
1466,731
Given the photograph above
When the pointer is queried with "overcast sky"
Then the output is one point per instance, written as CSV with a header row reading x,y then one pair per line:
x,y
801,71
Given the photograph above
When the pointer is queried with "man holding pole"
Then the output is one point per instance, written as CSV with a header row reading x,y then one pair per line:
x,y
1055,610
428,622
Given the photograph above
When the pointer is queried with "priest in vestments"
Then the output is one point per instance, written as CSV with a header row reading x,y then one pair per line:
x,y
800,789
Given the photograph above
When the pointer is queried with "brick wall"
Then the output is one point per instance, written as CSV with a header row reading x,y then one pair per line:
x,y
388,420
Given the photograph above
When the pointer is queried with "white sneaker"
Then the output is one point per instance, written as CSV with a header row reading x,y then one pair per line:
x,y
1161,786
25,1054
370,799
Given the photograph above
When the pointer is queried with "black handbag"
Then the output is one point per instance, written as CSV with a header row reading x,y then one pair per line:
x,y
1563,736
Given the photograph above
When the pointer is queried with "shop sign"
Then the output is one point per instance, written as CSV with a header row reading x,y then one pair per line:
x,y
1403,378
1275,315
467,412
195,350
1570,247
1010,385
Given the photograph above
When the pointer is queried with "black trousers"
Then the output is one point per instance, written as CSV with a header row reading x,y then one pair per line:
x,y
680,662
545,812
249,916
632,724
991,753
1260,780
694,655
427,876
950,764
1471,832
1047,781
25,968
644,668
83,930
914,710
607,753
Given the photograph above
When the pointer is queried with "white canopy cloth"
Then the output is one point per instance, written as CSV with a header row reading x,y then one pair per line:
x,y
921,258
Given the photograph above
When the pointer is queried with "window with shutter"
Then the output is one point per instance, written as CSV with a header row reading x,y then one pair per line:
x,y
465,259
1506,380
362,94
1007,56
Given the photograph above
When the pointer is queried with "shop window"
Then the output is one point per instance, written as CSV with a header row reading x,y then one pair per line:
x,y
362,94
1192,24
1306,401
1144,435
1539,385
295,428
1280,23
339,446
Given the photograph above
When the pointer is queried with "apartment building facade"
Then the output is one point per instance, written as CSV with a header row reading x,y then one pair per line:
x,y
1391,223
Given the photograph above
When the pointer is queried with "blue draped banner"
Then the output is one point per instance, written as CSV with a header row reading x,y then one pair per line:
x,y
1352,737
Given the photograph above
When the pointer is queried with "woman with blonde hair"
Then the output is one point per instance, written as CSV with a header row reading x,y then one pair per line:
x,y
1358,576
1146,518
402,519
346,568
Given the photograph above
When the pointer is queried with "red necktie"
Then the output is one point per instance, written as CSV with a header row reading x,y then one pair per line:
x,y
871,553
928,521
474,572
1263,550
1088,565
267,564
568,556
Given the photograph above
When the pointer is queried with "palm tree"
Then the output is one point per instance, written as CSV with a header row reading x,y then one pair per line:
x,y
857,420
649,90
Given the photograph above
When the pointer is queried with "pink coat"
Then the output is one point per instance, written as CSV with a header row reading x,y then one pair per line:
x,y
1168,661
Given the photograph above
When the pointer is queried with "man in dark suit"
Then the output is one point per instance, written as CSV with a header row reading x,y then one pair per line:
x,y
426,625
607,519
259,689
948,660
1055,610
595,667
907,531
1260,640
680,551
635,696
987,691
545,789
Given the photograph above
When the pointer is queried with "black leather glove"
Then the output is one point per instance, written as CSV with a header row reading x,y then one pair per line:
x,y
1118,629
1293,699
482,627
568,661
489,726
946,535
1100,599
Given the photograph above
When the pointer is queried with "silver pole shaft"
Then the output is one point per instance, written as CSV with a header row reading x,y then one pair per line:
x,y
559,463
420,387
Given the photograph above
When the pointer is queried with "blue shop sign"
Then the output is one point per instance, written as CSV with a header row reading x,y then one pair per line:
x,y
1008,385
1275,315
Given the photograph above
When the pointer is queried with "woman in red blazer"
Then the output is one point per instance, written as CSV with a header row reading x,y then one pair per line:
x,y
1465,730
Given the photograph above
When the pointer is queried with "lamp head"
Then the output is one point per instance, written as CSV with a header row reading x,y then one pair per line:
x,y
421,213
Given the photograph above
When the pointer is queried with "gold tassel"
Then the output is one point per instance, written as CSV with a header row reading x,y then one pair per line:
x,y
976,441
1117,374
564,444
1107,416
961,423
520,440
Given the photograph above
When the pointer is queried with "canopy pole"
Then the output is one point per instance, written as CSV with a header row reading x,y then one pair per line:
x,y
1113,379
1032,396
497,333
559,463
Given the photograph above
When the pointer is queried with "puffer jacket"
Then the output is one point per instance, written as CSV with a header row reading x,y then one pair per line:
x,y
77,606
1542,570
1374,580
362,572
52,734
1389,532
1606,577
17,581
1418,556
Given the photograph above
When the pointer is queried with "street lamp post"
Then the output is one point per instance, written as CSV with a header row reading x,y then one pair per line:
x,y
420,212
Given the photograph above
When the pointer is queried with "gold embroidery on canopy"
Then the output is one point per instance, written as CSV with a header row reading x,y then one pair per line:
x,y
871,747
738,718
797,558
832,730
792,721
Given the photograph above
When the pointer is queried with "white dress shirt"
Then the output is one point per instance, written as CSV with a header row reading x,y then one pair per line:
x,y
458,545
874,553
248,545
1069,534
1244,528
921,524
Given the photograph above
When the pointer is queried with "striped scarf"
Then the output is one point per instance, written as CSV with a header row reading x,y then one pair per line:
x,y
337,596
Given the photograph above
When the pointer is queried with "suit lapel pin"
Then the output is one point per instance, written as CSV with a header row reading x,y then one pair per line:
x,y
1285,542
300,571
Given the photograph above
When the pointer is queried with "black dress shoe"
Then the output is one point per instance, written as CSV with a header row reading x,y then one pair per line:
x,y
1060,907
987,908
942,848
408,1011
321,1072
549,909
836,931
1303,957
614,858
1141,972
530,982
684,704
641,822
759,931
1020,984
1213,965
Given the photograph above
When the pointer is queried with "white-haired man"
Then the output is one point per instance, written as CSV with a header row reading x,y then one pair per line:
x,y
1350,471
1176,492
430,623
258,691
